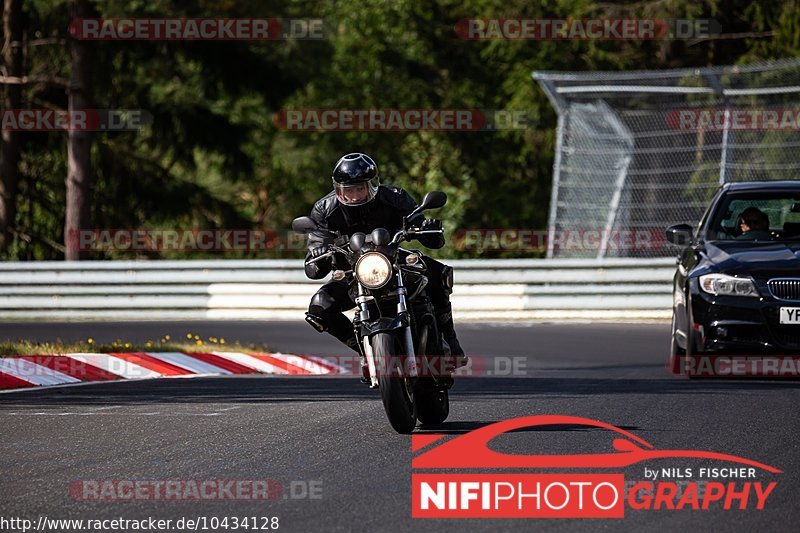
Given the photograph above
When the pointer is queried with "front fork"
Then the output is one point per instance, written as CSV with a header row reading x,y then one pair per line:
x,y
410,362
409,365
362,300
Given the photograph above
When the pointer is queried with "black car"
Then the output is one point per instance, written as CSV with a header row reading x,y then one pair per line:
x,y
737,286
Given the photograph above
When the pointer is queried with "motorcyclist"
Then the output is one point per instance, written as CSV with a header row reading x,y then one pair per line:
x,y
358,203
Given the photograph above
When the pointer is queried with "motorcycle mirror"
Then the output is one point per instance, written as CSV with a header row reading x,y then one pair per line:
x,y
357,240
303,225
432,200
307,225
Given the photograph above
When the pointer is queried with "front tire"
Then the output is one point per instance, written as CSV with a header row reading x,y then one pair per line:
x,y
397,400
677,355
694,344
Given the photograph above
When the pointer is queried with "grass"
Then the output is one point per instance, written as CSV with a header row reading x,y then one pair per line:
x,y
190,343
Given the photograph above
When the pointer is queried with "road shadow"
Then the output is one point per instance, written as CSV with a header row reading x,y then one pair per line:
x,y
266,390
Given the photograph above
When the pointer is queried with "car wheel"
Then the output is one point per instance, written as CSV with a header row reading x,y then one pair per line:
x,y
692,343
691,350
677,355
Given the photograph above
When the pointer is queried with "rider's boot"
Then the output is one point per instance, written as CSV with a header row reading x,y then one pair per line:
x,y
342,330
444,319
337,325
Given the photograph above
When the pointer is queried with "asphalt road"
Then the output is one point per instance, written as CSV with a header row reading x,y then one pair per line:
x,y
331,434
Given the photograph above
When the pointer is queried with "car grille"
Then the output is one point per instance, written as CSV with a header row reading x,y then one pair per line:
x,y
745,336
786,335
785,289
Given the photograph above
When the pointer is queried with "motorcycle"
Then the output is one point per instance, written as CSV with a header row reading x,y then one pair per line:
x,y
401,349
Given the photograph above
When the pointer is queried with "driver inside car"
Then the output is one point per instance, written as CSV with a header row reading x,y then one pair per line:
x,y
754,225
359,203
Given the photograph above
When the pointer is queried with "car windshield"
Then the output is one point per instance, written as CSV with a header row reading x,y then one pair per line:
x,y
759,217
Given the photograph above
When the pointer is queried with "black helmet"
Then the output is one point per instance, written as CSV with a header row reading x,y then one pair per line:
x,y
355,179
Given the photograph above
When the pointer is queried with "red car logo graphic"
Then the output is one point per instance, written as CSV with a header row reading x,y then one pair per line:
x,y
471,451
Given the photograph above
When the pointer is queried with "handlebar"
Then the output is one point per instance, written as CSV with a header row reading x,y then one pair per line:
x,y
398,237
406,234
321,257
331,251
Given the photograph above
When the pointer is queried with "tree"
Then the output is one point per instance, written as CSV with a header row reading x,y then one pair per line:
x,y
12,97
79,142
212,157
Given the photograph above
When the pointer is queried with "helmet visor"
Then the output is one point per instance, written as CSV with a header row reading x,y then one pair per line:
x,y
356,193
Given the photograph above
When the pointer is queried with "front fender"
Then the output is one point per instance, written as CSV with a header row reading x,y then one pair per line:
x,y
384,325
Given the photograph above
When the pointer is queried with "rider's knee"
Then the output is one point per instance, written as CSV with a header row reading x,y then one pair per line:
x,y
441,274
319,311
322,303
447,279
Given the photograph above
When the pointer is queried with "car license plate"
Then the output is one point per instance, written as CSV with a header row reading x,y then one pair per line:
x,y
790,315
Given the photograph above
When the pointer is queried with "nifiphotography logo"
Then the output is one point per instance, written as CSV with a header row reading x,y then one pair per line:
x,y
729,482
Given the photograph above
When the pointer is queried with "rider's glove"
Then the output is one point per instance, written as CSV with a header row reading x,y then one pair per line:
x,y
317,251
431,224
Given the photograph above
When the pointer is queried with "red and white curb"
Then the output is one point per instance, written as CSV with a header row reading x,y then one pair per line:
x,y
28,371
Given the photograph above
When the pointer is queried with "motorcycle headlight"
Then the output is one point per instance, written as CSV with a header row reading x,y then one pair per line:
x,y
373,270
724,285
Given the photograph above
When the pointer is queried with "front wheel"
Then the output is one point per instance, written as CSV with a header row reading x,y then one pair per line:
x,y
397,400
677,355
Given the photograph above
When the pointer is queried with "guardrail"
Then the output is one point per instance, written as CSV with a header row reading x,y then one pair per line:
x,y
503,289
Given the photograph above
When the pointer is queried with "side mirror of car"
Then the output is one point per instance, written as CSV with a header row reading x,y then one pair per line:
x,y
681,234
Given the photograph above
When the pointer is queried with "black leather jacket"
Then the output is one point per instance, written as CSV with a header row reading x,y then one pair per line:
x,y
386,210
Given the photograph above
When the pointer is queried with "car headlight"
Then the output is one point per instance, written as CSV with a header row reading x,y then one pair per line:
x,y
373,270
724,285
